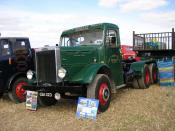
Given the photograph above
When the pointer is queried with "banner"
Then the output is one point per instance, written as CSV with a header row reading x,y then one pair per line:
x,y
166,72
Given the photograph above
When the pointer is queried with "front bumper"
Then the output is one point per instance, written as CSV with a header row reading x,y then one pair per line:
x,y
53,89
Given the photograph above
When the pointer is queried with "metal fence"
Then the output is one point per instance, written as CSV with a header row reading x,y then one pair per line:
x,y
154,41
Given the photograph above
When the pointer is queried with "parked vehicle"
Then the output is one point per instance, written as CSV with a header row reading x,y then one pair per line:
x,y
128,55
15,60
87,63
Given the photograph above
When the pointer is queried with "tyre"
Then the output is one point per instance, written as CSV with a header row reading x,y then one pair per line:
x,y
153,73
135,84
100,89
17,93
1,94
46,101
144,81
1,86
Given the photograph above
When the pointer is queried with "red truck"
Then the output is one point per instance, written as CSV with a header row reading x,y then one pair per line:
x,y
128,54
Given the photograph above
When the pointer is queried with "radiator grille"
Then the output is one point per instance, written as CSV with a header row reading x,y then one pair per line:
x,y
46,66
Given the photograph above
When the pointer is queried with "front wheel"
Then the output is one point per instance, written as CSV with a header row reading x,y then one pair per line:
x,y
1,94
100,89
1,87
17,93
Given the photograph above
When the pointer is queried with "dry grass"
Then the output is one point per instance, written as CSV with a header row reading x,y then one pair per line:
x,y
130,109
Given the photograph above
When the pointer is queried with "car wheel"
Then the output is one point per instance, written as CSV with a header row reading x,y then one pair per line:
x,y
144,81
46,101
135,84
1,94
17,93
100,89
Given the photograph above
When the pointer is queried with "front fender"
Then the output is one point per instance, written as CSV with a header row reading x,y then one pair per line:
x,y
87,74
12,78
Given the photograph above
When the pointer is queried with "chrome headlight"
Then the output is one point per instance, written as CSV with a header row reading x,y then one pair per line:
x,y
30,74
61,73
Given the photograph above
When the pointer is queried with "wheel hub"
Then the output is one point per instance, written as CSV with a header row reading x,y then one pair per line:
x,y
104,93
20,92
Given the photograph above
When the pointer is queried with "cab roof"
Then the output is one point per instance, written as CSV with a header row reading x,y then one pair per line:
x,y
89,27
13,38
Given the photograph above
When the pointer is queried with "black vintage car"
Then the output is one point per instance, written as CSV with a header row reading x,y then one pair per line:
x,y
16,57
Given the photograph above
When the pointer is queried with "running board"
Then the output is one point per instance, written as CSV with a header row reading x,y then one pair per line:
x,y
117,87
120,86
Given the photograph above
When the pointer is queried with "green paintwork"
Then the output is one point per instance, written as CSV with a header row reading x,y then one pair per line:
x,y
138,67
74,59
90,27
83,62
87,74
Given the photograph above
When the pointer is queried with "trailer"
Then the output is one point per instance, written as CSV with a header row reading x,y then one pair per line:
x,y
88,63
155,45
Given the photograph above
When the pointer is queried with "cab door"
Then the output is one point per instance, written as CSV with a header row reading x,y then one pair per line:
x,y
113,55
5,67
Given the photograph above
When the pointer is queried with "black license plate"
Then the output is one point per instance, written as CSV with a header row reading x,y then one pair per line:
x,y
44,94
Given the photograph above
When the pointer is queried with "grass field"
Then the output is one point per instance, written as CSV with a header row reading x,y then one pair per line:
x,y
151,109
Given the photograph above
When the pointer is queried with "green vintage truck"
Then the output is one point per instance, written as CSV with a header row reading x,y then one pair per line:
x,y
88,63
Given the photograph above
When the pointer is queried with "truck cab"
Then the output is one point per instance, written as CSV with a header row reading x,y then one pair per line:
x,y
15,60
94,45
87,63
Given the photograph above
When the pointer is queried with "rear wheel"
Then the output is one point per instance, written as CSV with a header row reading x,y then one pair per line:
x,y
46,101
18,94
135,84
153,73
100,89
144,81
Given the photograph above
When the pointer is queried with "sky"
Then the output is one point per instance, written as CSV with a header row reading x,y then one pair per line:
x,y
44,20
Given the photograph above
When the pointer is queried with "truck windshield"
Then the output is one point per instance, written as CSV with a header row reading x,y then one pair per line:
x,y
88,37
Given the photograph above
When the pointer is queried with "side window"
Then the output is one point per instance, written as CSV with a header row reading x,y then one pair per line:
x,y
111,38
69,41
5,48
19,44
